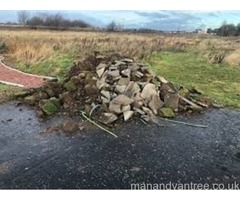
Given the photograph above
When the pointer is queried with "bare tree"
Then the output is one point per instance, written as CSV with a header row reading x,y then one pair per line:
x,y
113,26
23,17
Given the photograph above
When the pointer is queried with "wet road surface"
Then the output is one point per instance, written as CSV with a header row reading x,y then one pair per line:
x,y
91,159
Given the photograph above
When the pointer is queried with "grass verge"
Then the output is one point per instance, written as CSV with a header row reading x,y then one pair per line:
x,y
56,66
220,82
7,92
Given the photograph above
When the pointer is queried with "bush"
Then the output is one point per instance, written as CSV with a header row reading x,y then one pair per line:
x,y
3,47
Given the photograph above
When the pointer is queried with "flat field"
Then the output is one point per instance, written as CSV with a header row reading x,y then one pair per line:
x,y
209,63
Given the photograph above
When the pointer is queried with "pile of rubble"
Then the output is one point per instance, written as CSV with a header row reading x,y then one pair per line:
x,y
114,88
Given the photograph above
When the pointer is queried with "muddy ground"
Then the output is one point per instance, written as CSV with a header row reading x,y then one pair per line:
x,y
142,153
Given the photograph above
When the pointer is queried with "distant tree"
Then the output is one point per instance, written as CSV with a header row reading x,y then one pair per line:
x,y
238,29
55,20
114,26
23,17
209,30
227,30
35,21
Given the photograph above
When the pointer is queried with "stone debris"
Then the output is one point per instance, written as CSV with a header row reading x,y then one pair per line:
x,y
120,88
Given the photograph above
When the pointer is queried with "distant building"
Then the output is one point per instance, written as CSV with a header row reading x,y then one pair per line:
x,y
201,31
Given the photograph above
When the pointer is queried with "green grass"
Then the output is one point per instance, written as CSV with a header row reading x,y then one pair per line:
x,y
220,82
57,66
7,92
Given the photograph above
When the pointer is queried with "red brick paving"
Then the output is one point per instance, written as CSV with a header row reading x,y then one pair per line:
x,y
16,77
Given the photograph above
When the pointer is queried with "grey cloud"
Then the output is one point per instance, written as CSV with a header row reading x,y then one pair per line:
x,y
152,14
171,20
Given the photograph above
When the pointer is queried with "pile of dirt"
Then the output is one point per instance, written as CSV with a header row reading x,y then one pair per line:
x,y
112,88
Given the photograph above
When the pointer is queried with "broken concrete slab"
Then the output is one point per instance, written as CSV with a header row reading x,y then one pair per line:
x,y
120,88
155,104
106,94
127,60
123,81
101,65
108,118
114,73
115,108
126,108
127,115
138,100
100,72
171,100
132,89
139,111
126,72
149,90
122,100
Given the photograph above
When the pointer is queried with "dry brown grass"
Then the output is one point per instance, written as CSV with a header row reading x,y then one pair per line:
x,y
31,46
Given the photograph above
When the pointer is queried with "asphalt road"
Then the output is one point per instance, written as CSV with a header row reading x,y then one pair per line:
x,y
91,159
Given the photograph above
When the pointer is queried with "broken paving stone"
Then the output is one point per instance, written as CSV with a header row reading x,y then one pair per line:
x,y
115,108
120,88
127,115
149,90
101,66
138,74
161,79
126,72
123,81
166,88
104,100
134,67
108,118
194,106
142,84
155,104
101,83
127,60
100,72
106,94
122,100
126,108
166,112
114,73
150,77
171,101
147,111
118,63
132,89
139,111
138,100
113,67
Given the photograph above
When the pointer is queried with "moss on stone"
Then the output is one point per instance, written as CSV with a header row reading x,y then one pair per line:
x,y
51,106
166,112
70,86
